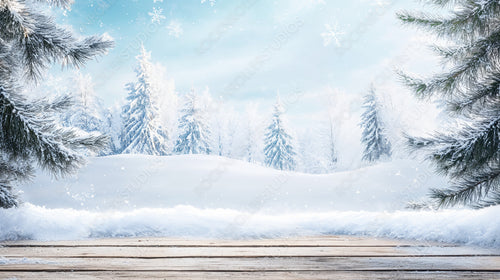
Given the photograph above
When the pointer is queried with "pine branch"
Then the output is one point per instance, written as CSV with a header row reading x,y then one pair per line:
x,y
422,89
7,198
442,3
48,43
469,21
65,4
482,95
15,19
469,189
483,48
492,199
21,171
26,133
467,151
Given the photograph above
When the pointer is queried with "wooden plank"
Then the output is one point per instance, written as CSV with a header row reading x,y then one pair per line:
x,y
250,252
254,275
322,241
277,264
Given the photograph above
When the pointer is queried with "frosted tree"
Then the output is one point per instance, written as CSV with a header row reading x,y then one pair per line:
x,y
224,125
279,152
311,157
252,134
373,137
30,132
112,126
87,112
331,149
469,153
194,132
143,132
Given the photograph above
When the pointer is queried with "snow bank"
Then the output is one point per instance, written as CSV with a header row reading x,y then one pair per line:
x,y
128,182
212,197
477,227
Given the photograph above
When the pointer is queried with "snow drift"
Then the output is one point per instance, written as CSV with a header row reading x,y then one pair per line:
x,y
211,197
135,181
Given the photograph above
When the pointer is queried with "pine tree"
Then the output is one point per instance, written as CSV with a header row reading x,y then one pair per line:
x,y
194,131
29,130
142,129
279,152
112,127
376,143
469,153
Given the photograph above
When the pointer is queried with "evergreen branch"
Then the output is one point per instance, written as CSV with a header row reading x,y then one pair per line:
x,y
7,198
15,19
470,189
442,3
420,19
482,95
482,49
9,172
469,150
49,43
469,20
25,134
79,139
65,4
87,49
418,86
492,199
6,62
464,75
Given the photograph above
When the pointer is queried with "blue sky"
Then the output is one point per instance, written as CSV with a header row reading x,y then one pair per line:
x,y
219,44
320,55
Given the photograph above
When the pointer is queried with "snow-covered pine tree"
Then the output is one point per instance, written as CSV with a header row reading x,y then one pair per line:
x,y
194,132
279,152
142,131
376,143
469,154
87,112
113,127
29,130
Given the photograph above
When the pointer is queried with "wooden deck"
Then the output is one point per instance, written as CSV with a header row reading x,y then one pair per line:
x,y
333,257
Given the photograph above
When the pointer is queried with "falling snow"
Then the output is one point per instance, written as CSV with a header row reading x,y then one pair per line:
x,y
332,34
175,29
212,2
156,15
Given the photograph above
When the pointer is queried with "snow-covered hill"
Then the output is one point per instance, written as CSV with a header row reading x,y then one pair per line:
x,y
206,196
136,181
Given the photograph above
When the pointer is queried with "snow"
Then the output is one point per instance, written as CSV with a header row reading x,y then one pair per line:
x,y
137,181
199,196
478,227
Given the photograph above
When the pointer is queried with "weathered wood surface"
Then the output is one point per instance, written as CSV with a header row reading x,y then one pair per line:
x,y
333,257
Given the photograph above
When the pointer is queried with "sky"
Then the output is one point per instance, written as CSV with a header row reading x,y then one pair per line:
x,y
315,53
246,49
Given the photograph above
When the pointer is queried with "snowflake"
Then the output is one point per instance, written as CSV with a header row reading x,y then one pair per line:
x,y
212,2
156,15
332,34
175,29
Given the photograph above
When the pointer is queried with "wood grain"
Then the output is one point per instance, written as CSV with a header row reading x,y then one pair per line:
x,y
325,257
